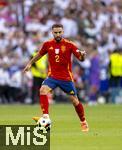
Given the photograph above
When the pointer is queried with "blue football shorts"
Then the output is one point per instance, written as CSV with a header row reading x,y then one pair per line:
x,y
67,86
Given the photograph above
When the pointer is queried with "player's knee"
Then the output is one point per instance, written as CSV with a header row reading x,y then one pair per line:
x,y
74,100
44,90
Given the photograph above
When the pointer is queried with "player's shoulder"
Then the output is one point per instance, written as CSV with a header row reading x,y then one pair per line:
x,y
70,42
48,41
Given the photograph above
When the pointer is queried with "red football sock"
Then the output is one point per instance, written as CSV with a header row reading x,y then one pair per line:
x,y
80,111
44,104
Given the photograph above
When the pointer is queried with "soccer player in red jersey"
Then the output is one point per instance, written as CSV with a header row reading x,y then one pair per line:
x,y
59,52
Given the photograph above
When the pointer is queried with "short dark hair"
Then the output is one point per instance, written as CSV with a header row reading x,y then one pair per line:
x,y
57,26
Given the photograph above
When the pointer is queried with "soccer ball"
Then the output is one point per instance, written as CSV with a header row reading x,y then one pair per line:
x,y
44,123
101,100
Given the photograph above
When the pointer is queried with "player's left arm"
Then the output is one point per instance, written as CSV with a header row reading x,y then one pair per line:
x,y
79,54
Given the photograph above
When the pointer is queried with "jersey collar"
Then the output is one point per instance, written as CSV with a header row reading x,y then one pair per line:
x,y
60,41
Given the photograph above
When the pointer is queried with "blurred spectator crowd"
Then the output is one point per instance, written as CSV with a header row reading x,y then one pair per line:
x,y
94,25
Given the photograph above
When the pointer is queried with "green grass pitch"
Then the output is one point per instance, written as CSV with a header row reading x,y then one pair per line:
x,y
105,122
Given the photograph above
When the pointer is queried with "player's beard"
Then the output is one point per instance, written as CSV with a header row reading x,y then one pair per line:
x,y
58,39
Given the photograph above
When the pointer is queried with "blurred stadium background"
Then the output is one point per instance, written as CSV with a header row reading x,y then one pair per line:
x,y
94,25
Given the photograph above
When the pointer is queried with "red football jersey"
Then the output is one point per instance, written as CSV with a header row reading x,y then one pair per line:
x,y
59,56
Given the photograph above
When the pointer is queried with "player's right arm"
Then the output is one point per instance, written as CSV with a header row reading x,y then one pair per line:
x,y
41,53
33,60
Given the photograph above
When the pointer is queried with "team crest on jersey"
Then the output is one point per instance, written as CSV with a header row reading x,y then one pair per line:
x,y
51,48
56,51
63,48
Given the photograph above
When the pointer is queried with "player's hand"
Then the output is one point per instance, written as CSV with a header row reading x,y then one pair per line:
x,y
83,55
27,68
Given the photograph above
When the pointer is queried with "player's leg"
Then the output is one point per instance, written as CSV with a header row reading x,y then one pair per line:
x,y
70,89
78,107
80,112
47,86
44,103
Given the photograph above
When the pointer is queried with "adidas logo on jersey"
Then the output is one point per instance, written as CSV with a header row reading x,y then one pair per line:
x,y
51,48
71,92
